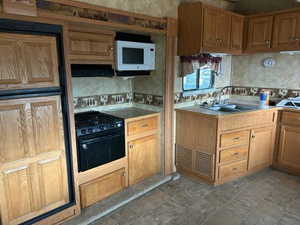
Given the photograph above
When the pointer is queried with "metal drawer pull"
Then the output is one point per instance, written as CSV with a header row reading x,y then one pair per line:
x,y
145,125
15,170
234,169
236,153
236,138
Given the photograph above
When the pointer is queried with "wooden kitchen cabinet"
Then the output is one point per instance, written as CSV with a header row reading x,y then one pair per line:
x,y
100,188
286,32
287,157
28,61
33,175
220,148
20,7
261,148
143,158
204,28
89,46
143,144
216,26
259,35
237,33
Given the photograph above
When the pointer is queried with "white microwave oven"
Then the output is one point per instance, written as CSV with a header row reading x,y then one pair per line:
x,y
135,56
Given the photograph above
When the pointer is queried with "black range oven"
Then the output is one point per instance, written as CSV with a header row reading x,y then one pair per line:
x,y
100,139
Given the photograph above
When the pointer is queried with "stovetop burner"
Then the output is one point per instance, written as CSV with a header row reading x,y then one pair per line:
x,y
94,122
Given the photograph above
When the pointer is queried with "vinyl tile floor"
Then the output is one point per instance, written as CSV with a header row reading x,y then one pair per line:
x,y
269,197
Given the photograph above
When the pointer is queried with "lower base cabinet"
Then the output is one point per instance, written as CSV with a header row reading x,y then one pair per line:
x,y
220,149
143,158
100,188
288,152
261,148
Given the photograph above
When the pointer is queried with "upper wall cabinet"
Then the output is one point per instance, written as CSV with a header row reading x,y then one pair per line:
x,y
286,33
89,46
259,37
20,7
28,61
237,33
204,28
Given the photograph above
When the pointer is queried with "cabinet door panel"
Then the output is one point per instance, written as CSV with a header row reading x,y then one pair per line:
x,y
260,33
13,128
223,31
237,31
261,148
41,61
47,125
210,28
91,47
17,194
52,176
32,158
28,61
143,158
10,64
285,35
289,152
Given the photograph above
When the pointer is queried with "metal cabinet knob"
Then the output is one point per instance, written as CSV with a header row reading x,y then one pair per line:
x,y
84,146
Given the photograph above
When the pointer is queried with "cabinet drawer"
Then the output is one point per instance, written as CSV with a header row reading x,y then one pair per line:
x,y
140,126
234,154
291,118
234,139
233,169
102,188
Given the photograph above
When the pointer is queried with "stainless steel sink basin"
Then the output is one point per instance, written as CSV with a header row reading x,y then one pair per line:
x,y
232,108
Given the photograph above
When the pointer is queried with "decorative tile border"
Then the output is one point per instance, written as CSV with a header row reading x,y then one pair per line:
x,y
102,100
157,100
147,99
253,91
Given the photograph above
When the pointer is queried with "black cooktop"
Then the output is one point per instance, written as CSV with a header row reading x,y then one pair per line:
x,y
95,122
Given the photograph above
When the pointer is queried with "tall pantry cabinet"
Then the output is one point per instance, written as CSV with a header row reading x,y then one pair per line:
x,y
35,177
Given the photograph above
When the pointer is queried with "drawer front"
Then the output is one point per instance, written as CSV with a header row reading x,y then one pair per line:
x,y
102,187
292,118
140,126
234,154
234,139
233,169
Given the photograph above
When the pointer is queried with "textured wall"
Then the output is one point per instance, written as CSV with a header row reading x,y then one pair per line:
x,y
90,86
256,6
248,71
160,8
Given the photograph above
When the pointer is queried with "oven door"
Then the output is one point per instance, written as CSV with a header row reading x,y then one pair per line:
x,y
96,150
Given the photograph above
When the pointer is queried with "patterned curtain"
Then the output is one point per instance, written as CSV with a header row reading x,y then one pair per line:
x,y
191,63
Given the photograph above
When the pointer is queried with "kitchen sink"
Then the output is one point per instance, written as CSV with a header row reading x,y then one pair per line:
x,y
232,108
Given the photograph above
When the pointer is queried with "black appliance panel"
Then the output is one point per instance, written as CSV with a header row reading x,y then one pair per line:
x,y
100,150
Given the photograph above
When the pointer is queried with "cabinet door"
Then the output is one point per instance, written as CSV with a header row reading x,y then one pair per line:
x,y
286,34
210,28
261,148
33,173
259,33
20,7
237,32
143,158
91,48
289,152
28,61
223,31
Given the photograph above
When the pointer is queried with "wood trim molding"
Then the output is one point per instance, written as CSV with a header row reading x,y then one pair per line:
x,y
171,50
